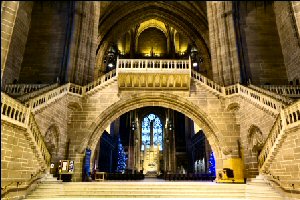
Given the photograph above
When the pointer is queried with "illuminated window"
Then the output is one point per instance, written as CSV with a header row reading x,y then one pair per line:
x,y
157,131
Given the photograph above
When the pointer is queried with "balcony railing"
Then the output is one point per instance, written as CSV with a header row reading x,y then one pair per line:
x,y
153,65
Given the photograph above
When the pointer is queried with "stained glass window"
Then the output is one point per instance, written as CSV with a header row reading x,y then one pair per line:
x,y
157,131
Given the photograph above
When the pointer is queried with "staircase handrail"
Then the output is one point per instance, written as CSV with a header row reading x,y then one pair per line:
x,y
35,93
284,99
35,134
254,96
99,82
288,118
21,89
47,97
208,83
287,90
14,111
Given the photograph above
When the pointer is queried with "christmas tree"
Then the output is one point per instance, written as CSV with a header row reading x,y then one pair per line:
x,y
121,157
212,165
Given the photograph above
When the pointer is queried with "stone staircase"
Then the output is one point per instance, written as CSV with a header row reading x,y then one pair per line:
x,y
144,189
257,187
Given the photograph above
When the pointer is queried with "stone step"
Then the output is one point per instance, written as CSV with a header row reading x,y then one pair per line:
x,y
144,189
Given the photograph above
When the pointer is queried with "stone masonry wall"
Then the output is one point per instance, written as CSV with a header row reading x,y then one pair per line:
x,y
286,163
44,51
261,45
82,55
18,42
9,11
232,126
248,114
18,160
289,38
55,114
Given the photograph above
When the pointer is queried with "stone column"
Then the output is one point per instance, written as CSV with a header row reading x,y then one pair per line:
x,y
222,37
9,10
288,25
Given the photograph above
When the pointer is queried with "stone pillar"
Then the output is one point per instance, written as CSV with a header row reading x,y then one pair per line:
x,y
78,166
80,67
222,37
9,10
287,20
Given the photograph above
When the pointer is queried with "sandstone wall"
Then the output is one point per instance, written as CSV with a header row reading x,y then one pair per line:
x,y
18,160
289,37
263,57
286,163
18,42
44,53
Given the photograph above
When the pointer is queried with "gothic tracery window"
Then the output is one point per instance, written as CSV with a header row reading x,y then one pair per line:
x,y
157,131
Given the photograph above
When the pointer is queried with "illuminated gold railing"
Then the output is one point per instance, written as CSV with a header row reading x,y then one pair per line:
x,y
153,65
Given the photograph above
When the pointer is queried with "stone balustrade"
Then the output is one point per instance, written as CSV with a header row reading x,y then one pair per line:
x,y
48,97
13,111
27,96
292,115
272,94
39,140
206,81
21,89
287,90
254,96
262,99
288,118
16,113
99,81
153,65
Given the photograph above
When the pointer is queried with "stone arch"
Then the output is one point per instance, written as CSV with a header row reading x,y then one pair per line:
x,y
255,139
52,140
166,100
113,24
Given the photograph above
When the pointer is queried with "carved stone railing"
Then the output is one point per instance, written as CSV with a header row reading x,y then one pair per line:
x,y
273,94
153,73
261,99
153,65
288,118
13,111
21,89
99,82
27,96
287,90
36,136
16,113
